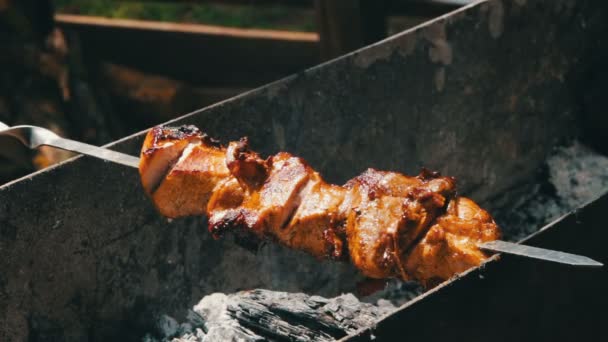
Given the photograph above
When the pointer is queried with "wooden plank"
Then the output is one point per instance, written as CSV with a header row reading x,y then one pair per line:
x,y
294,3
412,7
199,54
224,31
346,25
393,4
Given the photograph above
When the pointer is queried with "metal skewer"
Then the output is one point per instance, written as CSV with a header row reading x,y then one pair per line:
x,y
539,253
33,137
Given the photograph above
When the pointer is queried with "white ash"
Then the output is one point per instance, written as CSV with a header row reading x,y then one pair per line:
x,y
579,174
395,293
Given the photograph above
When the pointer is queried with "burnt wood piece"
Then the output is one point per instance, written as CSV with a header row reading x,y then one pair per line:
x,y
261,315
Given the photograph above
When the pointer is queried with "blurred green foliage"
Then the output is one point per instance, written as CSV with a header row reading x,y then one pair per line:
x,y
246,16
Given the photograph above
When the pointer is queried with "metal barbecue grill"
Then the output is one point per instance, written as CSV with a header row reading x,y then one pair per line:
x,y
485,93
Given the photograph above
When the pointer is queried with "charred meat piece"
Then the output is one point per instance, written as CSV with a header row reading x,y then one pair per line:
x,y
315,225
386,223
450,245
179,169
403,206
162,148
283,199
188,186
266,209
247,166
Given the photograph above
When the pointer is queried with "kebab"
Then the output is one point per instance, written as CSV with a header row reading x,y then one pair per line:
x,y
387,224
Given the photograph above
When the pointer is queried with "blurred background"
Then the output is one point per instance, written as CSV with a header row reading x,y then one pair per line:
x,y
96,71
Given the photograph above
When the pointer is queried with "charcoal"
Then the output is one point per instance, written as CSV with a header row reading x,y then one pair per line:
x,y
168,326
264,315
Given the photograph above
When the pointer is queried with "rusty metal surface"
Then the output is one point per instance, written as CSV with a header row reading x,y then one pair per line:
x,y
482,94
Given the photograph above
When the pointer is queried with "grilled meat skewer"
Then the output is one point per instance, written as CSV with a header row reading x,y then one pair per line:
x,y
387,224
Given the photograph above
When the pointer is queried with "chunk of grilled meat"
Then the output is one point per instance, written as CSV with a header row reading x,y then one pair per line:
x,y
387,213
450,245
162,147
386,223
180,168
